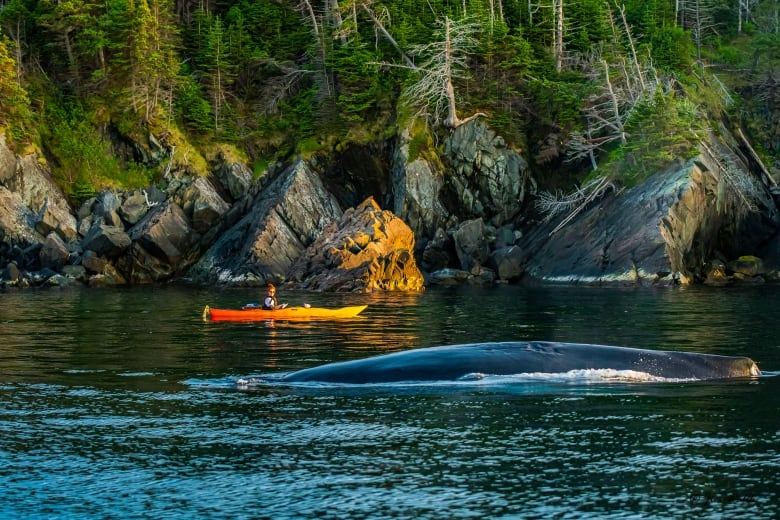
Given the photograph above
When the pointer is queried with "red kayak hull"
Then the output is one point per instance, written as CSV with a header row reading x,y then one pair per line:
x,y
288,313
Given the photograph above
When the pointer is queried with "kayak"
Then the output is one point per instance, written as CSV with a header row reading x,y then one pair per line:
x,y
288,313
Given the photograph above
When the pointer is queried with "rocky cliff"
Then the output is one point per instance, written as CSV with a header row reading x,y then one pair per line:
x,y
465,216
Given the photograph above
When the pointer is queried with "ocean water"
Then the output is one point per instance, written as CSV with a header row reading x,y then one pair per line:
x,y
124,403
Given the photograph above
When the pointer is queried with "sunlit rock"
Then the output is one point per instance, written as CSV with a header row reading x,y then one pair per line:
x,y
367,249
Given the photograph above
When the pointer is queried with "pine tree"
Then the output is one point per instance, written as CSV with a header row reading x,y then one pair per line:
x,y
218,70
152,64
14,102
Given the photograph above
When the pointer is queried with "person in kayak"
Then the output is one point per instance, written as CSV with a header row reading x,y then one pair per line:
x,y
269,302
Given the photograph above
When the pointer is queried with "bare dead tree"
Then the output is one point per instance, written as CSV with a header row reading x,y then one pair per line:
x,y
737,188
700,19
550,205
605,116
443,61
379,18
276,89
607,112
315,20
557,6
745,12
637,69
496,13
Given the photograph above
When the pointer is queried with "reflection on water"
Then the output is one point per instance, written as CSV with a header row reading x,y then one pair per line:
x,y
123,403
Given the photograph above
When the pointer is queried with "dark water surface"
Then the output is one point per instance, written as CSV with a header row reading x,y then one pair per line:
x,y
123,403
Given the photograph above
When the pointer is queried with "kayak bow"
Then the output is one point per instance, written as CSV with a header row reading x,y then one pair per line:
x,y
288,313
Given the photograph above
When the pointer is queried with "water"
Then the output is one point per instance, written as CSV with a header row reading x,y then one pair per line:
x,y
123,403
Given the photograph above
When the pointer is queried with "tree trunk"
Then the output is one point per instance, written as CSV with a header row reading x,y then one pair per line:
x,y
558,38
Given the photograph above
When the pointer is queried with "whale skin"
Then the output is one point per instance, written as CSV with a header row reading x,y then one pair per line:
x,y
452,362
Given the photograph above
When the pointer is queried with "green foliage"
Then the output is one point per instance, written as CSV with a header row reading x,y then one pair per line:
x,y
591,22
14,101
672,49
359,81
558,100
190,106
420,144
661,129
253,73
82,160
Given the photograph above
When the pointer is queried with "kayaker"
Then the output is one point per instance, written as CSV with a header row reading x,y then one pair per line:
x,y
269,302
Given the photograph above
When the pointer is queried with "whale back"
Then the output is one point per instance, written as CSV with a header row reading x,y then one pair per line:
x,y
452,362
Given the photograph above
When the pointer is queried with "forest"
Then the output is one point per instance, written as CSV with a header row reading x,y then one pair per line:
x,y
576,86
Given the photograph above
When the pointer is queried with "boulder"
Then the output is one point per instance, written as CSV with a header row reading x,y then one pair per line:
x,y
747,265
163,244
54,254
75,272
12,273
133,207
439,252
508,263
49,220
203,204
367,249
283,220
109,278
106,207
471,244
105,240
449,276
717,275
93,263
235,178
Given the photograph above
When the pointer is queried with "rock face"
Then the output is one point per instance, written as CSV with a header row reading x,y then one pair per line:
x,y
659,231
367,249
417,186
285,218
31,204
464,216
487,180
163,243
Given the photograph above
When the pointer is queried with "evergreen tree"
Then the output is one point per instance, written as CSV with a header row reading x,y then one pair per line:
x,y
151,59
14,102
13,20
66,20
218,70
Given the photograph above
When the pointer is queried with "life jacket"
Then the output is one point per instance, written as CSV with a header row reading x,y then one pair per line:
x,y
269,302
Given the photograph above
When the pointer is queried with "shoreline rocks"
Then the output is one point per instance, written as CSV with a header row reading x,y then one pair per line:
x,y
464,219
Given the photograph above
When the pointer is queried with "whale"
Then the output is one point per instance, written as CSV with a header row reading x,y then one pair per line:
x,y
455,362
